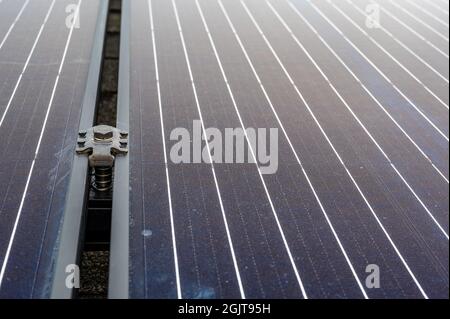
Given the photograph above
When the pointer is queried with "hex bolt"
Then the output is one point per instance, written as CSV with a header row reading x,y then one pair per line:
x,y
102,144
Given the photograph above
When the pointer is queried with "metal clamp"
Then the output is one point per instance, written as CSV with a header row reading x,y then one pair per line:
x,y
102,143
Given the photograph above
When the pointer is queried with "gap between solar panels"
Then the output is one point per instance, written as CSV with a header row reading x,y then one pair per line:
x,y
94,263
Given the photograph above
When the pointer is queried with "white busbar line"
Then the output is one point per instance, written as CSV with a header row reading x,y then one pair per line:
x,y
169,192
419,20
194,89
363,196
233,99
19,80
361,124
428,13
30,173
402,44
410,29
434,95
396,88
14,23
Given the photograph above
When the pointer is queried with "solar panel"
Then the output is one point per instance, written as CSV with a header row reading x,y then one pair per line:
x,y
268,149
361,185
45,58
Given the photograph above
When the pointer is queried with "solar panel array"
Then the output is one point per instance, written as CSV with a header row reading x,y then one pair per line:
x,y
357,89
44,62
362,115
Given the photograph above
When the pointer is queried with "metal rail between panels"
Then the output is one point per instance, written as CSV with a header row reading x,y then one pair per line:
x,y
69,243
119,248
